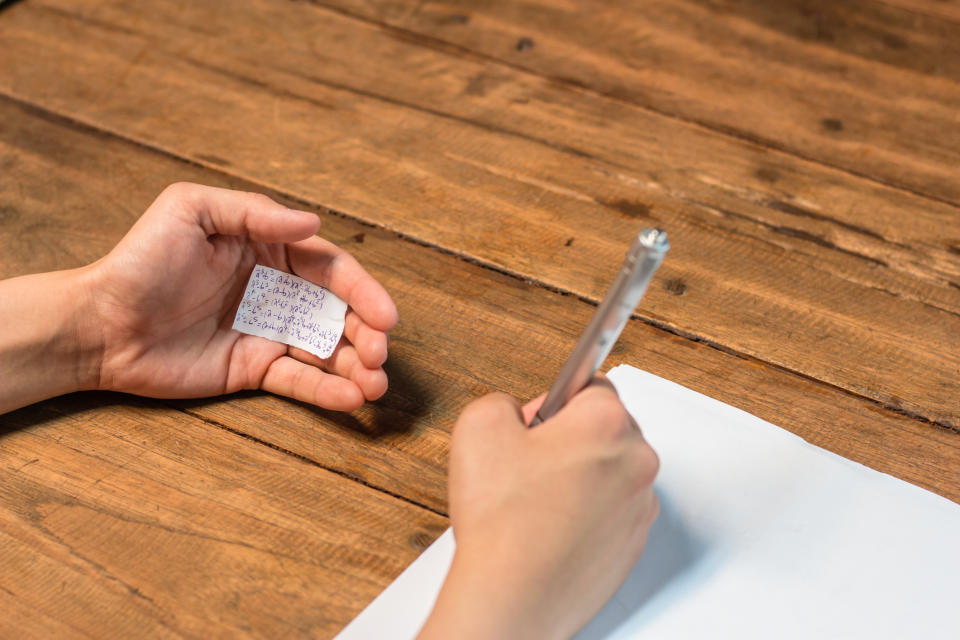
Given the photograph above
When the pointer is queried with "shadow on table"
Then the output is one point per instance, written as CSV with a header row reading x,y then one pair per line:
x,y
6,4
407,400
72,404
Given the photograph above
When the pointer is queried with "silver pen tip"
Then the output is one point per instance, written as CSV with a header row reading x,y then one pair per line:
x,y
654,239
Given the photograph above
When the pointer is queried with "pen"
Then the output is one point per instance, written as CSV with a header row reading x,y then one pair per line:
x,y
642,260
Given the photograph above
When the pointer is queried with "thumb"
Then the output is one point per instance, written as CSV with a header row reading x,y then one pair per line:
x,y
234,213
496,412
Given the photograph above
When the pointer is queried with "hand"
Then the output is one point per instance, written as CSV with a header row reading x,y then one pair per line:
x,y
165,297
548,521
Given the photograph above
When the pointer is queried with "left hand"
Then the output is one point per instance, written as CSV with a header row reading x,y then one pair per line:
x,y
166,295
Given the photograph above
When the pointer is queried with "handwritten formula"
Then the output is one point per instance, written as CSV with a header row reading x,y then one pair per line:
x,y
286,308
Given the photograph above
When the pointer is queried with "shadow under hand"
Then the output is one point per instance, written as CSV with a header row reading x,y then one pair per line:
x,y
408,399
673,560
66,406
6,4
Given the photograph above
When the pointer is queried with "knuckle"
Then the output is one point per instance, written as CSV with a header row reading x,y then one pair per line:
x,y
602,390
654,508
179,190
609,414
611,429
493,401
185,195
646,464
481,409
258,199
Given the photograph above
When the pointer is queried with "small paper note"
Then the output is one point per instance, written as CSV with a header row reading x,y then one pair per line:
x,y
283,307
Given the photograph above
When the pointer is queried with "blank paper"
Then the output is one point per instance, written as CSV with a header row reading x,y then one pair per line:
x,y
760,535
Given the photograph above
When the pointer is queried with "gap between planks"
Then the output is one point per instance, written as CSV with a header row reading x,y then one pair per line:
x,y
444,46
661,325
911,7
305,459
418,39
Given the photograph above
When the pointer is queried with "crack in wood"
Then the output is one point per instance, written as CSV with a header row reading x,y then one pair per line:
x,y
920,12
451,48
461,255
307,460
794,210
791,232
728,212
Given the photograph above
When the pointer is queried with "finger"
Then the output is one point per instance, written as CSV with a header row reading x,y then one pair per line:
x,y
603,382
649,509
288,377
599,407
530,409
235,213
370,343
346,363
598,385
328,265
648,505
653,511
599,389
494,411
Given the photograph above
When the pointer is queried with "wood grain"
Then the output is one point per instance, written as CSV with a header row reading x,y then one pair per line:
x,y
945,9
119,518
860,85
464,330
774,256
484,160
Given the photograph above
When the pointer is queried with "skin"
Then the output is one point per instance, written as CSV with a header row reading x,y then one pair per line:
x,y
548,521
154,316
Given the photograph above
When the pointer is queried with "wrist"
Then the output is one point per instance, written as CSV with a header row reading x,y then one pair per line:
x,y
86,343
483,599
51,342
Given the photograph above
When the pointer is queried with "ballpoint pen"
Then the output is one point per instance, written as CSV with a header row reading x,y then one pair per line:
x,y
642,261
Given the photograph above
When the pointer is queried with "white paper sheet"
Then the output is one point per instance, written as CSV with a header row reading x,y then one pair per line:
x,y
760,535
286,308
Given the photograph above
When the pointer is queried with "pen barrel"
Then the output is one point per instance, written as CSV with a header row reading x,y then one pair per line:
x,y
644,257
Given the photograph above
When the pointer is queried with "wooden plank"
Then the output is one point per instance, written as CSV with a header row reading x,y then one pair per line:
x,y
860,85
944,9
119,514
404,73
464,330
775,258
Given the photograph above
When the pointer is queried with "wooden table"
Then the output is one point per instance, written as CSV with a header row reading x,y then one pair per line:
x,y
488,162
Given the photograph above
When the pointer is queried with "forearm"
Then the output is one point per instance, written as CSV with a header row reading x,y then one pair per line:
x,y
481,600
49,337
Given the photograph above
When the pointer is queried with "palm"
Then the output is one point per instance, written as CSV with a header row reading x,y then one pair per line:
x,y
171,290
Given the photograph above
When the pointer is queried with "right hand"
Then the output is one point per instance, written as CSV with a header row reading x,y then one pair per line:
x,y
548,521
